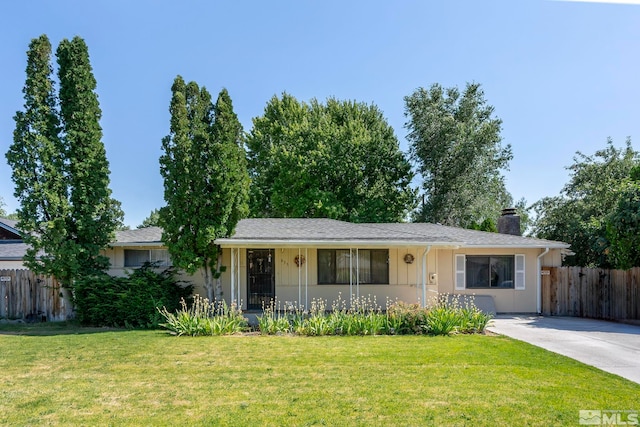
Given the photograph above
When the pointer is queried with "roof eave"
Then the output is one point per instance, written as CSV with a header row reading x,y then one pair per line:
x,y
149,244
520,246
302,243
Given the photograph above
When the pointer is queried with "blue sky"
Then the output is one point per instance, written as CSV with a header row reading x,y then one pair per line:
x,y
563,76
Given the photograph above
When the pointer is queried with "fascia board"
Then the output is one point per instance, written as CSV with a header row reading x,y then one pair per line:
x,y
255,243
137,244
536,246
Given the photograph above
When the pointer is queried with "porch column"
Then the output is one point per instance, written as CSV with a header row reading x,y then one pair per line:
x,y
299,265
239,303
357,274
350,277
233,275
306,278
424,276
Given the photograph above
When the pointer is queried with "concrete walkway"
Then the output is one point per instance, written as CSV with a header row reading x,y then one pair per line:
x,y
612,347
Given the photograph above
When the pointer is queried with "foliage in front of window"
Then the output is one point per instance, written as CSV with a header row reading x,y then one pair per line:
x,y
131,301
138,257
204,318
445,316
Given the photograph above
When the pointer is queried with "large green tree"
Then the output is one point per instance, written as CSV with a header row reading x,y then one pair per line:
x,y
59,165
153,220
456,145
623,224
337,160
205,179
580,214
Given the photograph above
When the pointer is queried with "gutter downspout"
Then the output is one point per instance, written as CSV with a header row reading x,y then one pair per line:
x,y
424,276
539,281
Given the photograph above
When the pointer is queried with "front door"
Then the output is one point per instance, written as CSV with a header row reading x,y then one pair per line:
x,y
261,277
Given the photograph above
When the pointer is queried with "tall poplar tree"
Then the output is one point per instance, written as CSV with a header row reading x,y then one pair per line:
x,y
205,178
38,167
456,144
59,165
94,214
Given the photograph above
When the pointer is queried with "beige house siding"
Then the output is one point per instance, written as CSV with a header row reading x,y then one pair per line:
x,y
405,280
506,300
294,284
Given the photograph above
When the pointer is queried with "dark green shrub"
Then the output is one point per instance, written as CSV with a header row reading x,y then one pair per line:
x,y
407,318
131,301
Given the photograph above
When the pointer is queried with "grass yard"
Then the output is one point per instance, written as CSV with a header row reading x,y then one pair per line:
x,y
64,375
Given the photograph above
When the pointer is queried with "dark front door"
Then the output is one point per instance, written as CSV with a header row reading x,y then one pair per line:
x,y
261,276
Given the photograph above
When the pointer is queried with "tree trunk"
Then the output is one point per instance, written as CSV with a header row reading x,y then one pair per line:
x,y
208,283
219,276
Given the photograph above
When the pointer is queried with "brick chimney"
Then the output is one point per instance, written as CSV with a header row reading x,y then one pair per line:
x,y
509,222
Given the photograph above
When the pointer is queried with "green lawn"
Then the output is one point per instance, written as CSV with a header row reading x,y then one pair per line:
x,y
62,375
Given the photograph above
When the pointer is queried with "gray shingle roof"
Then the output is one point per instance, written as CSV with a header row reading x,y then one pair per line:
x,y
309,231
141,235
12,251
314,229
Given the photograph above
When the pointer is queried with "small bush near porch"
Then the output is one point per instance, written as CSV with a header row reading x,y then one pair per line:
x,y
57,375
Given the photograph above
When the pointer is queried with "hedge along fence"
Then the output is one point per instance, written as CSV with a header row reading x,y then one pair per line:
x,y
25,295
591,292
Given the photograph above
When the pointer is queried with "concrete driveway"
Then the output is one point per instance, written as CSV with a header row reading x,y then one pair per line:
x,y
612,347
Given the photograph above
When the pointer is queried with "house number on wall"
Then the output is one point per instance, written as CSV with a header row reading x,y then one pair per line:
x,y
5,278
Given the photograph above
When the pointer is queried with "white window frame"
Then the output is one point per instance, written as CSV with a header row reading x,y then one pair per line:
x,y
460,273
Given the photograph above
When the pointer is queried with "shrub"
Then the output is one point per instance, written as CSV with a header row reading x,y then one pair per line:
x,y
204,318
405,318
131,301
455,314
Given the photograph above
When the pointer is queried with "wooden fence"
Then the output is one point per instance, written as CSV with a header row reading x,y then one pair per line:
x,y
591,292
23,295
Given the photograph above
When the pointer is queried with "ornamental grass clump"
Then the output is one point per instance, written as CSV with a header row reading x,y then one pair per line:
x,y
204,318
275,320
451,314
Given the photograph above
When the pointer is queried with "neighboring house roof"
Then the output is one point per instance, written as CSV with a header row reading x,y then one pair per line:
x,y
8,230
12,250
327,232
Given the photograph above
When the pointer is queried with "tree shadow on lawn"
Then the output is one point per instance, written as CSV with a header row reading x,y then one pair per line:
x,y
51,328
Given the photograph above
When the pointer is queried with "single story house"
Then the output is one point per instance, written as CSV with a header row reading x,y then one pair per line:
x,y
298,260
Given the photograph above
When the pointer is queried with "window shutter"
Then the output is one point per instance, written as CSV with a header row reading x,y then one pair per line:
x,y
519,283
460,272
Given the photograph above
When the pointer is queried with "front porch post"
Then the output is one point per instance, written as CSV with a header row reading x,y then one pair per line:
x,y
350,277
237,277
306,278
357,274
424,276
233,275
299,265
